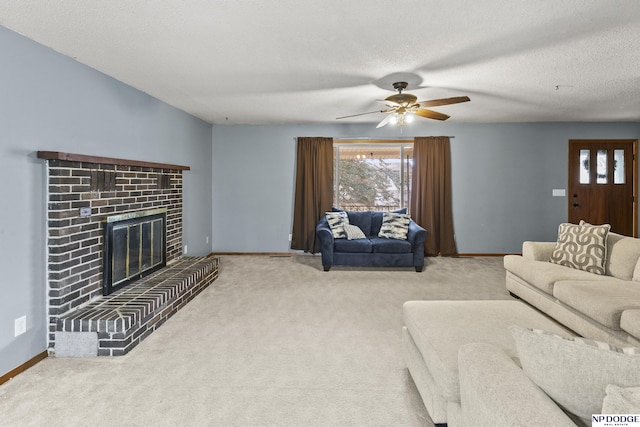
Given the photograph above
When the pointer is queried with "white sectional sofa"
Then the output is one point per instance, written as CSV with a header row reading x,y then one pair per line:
x,y
566,348
601,307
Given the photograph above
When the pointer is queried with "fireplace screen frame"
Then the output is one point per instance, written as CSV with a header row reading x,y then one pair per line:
x,y
142,235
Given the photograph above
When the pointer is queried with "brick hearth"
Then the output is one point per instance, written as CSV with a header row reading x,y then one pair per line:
x,y
113,325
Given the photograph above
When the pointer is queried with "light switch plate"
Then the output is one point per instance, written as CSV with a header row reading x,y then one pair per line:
x,y
20,326
559,192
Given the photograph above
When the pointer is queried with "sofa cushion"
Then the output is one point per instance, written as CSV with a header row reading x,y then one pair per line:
x,y
603,301
495,392
622,256
390,246
573,371
376,220
543,275
336,221
353,246
621,400
394,226
440,328
630,322
354,232
582,247
362,220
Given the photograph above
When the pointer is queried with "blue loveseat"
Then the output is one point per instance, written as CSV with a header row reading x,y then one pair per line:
x,y
373,251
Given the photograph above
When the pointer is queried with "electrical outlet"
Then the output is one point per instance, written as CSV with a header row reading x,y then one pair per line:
x,y
20,325
290,237
207,239
185,249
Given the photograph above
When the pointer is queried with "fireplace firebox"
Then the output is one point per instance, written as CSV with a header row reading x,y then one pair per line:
x,y
134,246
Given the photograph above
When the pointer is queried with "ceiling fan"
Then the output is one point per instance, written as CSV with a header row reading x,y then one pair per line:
x,y
402,107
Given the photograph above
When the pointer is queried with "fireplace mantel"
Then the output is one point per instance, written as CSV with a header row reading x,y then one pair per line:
x,y
71,157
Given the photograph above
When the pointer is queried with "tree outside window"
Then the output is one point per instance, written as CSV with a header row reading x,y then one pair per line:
x,y
372,176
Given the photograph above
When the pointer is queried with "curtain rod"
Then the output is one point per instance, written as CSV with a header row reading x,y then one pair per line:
x,y
368,138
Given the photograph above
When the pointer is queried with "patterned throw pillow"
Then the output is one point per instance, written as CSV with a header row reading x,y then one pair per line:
x,y
337,221
353,232
583,247
395,226
575,372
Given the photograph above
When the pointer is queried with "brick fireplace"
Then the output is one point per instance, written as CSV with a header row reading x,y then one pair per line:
x,y
82,192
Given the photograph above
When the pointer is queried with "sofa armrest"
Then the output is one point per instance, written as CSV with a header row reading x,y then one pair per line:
x,y
417,236
495,392
325,236
538,251
416,233
630,322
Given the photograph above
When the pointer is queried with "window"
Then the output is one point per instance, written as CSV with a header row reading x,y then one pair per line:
x,y
372,176
618,166
585,165
601,167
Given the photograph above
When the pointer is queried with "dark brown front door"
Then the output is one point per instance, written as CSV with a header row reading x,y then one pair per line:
x,y
602,176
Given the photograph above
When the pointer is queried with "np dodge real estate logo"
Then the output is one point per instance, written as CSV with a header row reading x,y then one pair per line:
x,y
615,420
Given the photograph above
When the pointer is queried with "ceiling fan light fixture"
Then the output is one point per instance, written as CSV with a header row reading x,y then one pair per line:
x,y
402,118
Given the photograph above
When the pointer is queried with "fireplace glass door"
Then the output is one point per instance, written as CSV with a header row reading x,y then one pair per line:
x,y
134,247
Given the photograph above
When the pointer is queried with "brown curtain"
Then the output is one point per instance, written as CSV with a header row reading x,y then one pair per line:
x,y
431,193
314,190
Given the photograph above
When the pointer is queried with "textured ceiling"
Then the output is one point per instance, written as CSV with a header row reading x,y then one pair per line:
x,y
301,61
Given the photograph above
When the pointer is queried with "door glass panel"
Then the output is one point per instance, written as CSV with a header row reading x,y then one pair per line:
x,y
618,166
585,159
601,167
120,255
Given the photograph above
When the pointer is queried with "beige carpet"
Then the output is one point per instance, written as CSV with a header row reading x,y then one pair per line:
x,y
275,341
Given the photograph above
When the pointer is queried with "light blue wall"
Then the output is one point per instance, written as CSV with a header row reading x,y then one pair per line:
x,y
50,102
502,178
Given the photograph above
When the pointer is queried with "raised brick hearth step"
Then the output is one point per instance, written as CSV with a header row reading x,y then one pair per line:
x,y
113,325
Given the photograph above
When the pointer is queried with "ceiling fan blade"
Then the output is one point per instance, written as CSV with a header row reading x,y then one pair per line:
x,y
361,114
444,101
429,114
385,121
